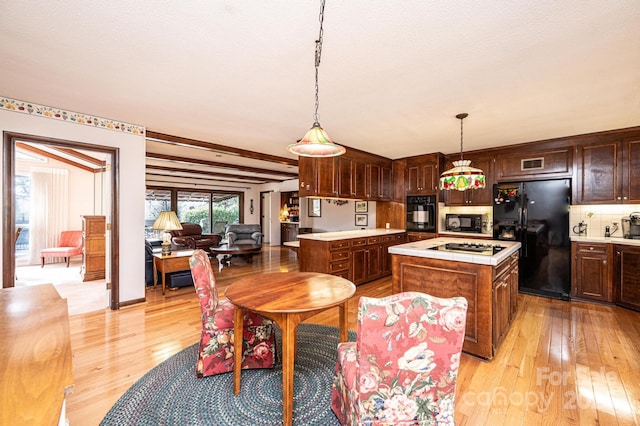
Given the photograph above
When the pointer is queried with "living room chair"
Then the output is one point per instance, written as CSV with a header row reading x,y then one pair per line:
x,y
240,233
403,366
215,352
190,237
70,244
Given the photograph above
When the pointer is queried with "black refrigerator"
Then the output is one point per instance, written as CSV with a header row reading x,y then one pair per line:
x,y
536,213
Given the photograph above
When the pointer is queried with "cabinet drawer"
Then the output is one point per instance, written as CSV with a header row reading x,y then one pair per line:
x,y
591,248
373,240
387,238
337,245
339,266
359,242
500,270
339,255
342,274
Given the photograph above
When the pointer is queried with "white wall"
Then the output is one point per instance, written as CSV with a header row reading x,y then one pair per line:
x,y
132,190
335,216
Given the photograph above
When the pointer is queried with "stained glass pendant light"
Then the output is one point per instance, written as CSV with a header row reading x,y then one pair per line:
x,y
462,176
316,142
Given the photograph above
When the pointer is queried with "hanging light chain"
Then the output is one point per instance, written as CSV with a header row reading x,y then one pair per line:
x,y
461,134
317,59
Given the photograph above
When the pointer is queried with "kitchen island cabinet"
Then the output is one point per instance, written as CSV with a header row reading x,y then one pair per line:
x,y
359,256
489,283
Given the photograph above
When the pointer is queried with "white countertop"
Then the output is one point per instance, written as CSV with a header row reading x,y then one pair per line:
x,y
609,240
421,249
465,234
356,233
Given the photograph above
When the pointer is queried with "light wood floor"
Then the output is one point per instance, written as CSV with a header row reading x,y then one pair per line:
x,y
561,362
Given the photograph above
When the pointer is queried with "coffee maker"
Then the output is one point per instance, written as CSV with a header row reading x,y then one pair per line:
x,y
631,226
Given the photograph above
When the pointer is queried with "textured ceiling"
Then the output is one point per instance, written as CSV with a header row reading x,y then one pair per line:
x,y
393,76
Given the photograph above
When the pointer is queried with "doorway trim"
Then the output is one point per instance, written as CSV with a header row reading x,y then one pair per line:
x,y
8,216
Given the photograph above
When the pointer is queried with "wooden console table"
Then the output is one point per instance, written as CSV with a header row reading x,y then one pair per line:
x,y
35,361
174,262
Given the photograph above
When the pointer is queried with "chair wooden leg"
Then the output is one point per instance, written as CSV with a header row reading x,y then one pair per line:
x,y
42,262
67,259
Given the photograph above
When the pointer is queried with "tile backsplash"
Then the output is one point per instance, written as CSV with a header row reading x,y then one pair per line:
x,y
598,216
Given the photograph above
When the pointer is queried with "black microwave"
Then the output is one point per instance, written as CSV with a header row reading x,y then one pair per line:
x,y
464,222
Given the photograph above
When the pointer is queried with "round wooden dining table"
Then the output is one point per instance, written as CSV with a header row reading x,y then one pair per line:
x,y
288,298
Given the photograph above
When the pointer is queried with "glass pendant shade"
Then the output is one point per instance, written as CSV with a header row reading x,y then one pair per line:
x,y
316,143
462,177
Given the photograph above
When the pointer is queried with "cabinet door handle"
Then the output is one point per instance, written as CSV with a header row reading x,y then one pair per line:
x,y
624,198
619,198
590,248
604,262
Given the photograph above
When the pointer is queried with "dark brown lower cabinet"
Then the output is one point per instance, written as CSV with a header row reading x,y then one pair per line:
x,y
627,277
360,260
591,274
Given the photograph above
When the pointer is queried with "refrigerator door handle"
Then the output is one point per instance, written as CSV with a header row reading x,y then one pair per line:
x,y
520,215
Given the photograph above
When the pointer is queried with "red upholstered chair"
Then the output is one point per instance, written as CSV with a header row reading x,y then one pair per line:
x,y
402,369
70,244
215,352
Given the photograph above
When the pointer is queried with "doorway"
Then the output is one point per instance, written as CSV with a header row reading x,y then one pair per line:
x,y
10,141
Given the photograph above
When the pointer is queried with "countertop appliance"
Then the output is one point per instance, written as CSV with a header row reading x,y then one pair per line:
x,y
474,248
464,222
421,213
536,214
631,226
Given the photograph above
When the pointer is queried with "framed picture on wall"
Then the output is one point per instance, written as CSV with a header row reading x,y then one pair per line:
x,y
361,219
314,207
362,206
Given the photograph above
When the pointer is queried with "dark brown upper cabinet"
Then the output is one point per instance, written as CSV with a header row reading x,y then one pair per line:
x,y
608,172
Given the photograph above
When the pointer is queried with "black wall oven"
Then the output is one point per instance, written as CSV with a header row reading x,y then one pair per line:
x,y
421,213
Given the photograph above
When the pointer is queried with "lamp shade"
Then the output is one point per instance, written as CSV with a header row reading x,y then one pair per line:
x,y
316,143
167,221
462,177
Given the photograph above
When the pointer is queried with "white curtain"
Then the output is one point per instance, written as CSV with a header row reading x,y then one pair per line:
x,y
49,212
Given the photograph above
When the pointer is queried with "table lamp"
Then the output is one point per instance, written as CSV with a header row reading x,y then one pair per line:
x,y
167,221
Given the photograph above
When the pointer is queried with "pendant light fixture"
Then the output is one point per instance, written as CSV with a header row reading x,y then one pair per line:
x,y
316,142
462,176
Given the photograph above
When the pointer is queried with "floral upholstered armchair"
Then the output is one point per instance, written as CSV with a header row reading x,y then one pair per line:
x,y
215,352
402,369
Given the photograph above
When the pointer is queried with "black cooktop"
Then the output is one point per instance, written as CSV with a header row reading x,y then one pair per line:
x,y
474,248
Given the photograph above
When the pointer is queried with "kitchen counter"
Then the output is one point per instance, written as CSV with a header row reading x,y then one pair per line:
x,y
609,240
466,234
356,233
421,249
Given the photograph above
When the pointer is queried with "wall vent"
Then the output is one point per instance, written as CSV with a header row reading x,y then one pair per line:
x,y
532,164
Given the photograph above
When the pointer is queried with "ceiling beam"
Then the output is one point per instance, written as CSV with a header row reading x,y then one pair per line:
x,y
187,160
177,140
47,154
193,178
78,154
211,174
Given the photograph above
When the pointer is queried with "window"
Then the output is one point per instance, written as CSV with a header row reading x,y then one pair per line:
x,y
205,208
23,205
156,201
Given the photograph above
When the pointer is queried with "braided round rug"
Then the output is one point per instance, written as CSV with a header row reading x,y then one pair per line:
x,y
170,394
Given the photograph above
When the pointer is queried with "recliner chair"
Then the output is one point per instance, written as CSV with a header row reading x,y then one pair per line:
x,y
190,237
240,233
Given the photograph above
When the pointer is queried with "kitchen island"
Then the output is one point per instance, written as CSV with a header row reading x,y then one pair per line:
x,y
485,272
359,255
